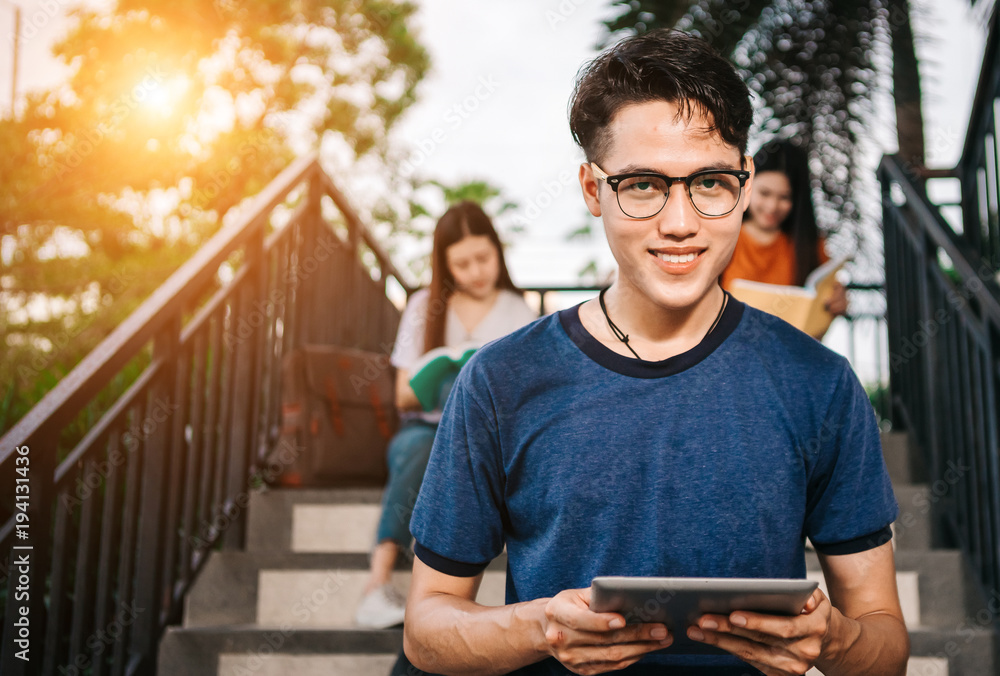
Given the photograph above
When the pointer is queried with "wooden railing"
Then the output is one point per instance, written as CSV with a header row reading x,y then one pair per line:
x,y
116,526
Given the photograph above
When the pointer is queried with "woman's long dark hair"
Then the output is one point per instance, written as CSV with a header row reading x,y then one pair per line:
x,y
800,224
461,220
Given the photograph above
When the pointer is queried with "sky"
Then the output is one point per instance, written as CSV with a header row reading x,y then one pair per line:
x,y
494,105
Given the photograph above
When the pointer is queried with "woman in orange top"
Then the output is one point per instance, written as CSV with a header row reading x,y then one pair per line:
x,y
779,242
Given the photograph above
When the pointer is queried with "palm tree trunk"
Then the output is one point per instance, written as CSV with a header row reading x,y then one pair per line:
x,y
906,88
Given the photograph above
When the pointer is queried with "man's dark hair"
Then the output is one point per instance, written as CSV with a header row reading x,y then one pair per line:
x,y
665,65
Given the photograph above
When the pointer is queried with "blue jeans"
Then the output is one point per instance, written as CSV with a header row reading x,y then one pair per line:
x,y
408,453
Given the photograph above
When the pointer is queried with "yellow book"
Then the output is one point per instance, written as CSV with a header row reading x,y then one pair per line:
x,y
800,306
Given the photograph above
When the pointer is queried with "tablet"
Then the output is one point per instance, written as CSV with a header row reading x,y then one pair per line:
x,y
679,601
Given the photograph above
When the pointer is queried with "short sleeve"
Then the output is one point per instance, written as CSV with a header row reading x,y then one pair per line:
x,y
457,520
850,503
409,344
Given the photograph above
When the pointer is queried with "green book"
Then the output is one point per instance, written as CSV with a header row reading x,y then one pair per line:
x,y
431,370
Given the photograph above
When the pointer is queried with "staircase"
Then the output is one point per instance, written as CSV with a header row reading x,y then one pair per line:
x,y
285,605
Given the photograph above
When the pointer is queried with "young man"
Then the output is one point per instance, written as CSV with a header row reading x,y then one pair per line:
x,y
662,430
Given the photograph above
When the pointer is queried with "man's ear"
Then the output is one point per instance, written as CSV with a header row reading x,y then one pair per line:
x,y
748,186
590,187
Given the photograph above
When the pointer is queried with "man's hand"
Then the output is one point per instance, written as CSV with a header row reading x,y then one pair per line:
x,y
778,646
594,643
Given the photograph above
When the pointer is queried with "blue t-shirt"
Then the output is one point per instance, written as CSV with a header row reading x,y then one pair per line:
x,y
717,462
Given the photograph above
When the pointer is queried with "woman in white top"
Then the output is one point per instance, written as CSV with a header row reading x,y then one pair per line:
x,y
471,298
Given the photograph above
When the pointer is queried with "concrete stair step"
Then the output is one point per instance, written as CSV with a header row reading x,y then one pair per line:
x,y
298,590
909,594
913,528
245,650
322,590
348,524
321,520
242,651
967,648
905,466
286,604
917,666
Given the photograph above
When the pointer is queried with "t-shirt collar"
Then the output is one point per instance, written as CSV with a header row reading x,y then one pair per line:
x,y
637,368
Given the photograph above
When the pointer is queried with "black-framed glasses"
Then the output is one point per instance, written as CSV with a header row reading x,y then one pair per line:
x,y
642,194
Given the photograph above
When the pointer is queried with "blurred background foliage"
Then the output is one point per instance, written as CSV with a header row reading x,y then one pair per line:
x,y
816,68
176,110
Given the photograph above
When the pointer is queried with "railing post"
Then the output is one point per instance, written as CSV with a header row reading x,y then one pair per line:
x,y
156,429
243,337
305,296
928,355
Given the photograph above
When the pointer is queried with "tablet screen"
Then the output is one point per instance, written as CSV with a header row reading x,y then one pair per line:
x,y
678,602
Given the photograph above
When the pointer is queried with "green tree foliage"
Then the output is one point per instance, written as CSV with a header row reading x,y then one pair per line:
x,y
176,110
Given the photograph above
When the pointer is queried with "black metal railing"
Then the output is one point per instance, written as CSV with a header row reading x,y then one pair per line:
x,y
116,525
944,348
867,342
979,168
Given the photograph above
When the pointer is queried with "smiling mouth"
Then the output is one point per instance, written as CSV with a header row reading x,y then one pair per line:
x,y
675,258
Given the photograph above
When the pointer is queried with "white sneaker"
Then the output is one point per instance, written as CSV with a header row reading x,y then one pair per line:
x,y
380,609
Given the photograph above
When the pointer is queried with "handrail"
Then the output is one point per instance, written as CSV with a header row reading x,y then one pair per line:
x,y
985,92
967,261
944,343
354,222
130,512
95,370
979,167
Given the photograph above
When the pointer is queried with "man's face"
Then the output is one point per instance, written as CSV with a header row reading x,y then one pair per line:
x,y
655,254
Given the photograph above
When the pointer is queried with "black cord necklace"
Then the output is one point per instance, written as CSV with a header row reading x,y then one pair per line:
x,y
623,337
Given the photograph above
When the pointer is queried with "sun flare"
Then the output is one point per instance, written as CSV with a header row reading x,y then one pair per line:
x,y
165,96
